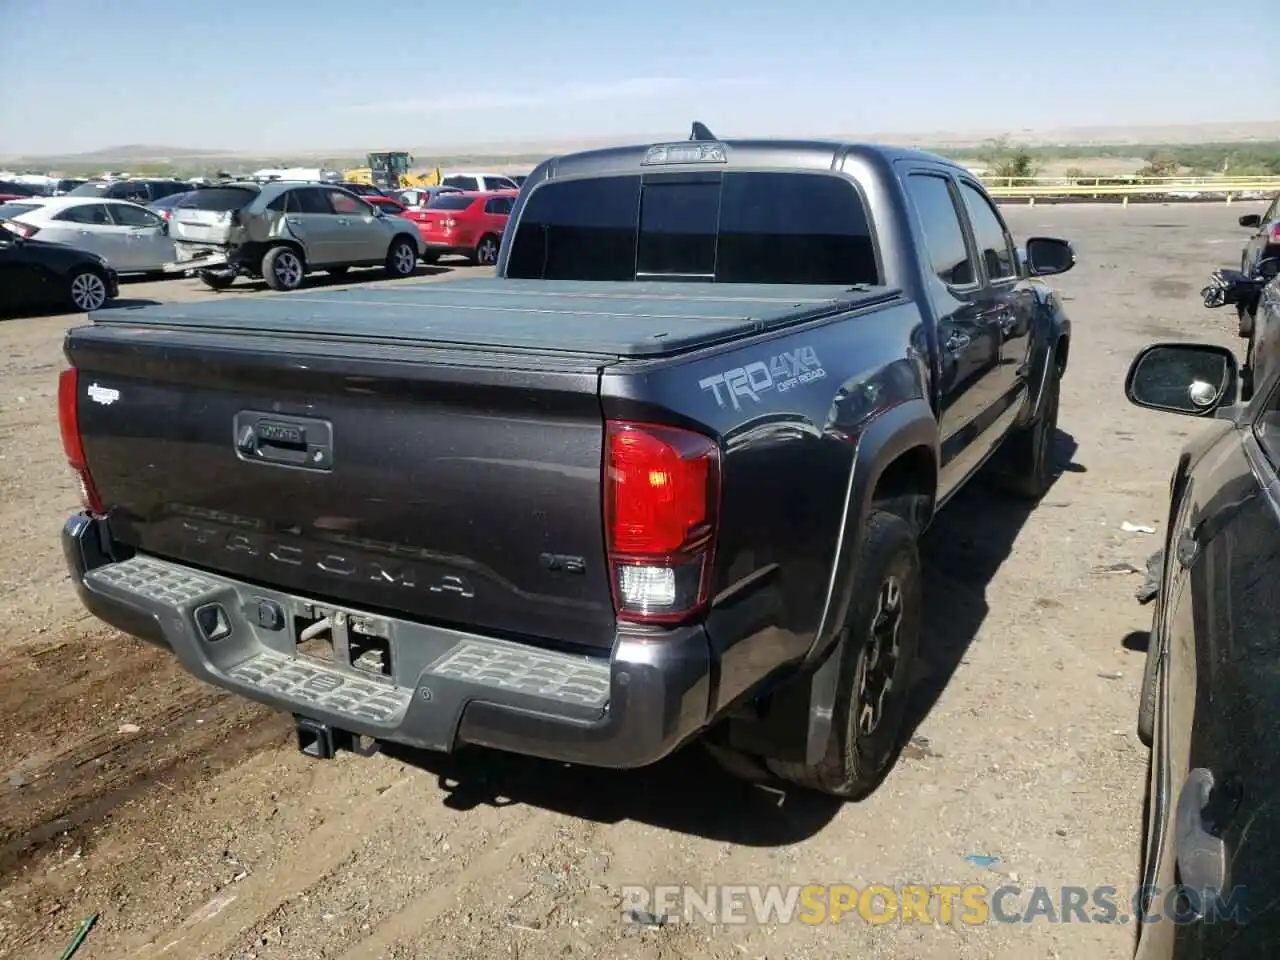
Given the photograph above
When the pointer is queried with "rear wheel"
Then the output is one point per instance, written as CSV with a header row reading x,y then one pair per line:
x,y
486,254
215,280
86,290
282,268
1027,460
877,653
402,258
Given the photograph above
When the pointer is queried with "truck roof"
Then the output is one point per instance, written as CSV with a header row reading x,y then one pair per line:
x,y
602,318
754,154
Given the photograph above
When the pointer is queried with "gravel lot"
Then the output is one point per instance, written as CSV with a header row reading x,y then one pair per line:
x,y
205,834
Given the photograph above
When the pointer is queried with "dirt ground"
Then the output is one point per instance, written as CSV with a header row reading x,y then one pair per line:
x,y
188,821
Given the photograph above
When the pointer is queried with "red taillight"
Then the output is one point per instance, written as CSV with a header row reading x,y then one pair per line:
x,y
1275,232
662,500
448,223
72,446
22,229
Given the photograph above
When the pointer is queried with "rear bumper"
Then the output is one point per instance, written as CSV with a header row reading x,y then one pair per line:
x,y
439,249
446,687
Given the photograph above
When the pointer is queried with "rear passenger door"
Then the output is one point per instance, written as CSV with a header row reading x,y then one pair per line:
x,y
969,341
309,220
360,236
1005,297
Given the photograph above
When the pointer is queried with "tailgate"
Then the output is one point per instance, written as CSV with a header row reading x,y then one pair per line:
x,y
454,486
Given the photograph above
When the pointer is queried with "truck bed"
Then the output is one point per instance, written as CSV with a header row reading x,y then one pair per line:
x,y
640,320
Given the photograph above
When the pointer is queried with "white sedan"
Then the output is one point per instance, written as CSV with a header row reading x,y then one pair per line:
x,y
129,237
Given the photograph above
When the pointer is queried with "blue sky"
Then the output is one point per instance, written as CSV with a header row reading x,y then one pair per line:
x,y
332,74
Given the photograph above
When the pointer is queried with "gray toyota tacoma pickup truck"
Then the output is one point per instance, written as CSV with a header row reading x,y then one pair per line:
x,y
661,478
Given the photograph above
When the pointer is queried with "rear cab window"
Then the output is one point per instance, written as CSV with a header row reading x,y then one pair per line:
x,y
462,182
731,227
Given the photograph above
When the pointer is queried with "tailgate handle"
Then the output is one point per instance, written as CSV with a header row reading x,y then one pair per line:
x,y
294,442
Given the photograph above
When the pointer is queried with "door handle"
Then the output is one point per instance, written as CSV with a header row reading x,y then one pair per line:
x,y
85,233
344,221
296,221
957,342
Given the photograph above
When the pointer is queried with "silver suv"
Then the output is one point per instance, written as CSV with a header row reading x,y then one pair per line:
x,y
281,231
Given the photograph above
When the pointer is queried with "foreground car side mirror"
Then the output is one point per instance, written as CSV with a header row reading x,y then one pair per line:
x,y
1250,220
1194,379
1048,256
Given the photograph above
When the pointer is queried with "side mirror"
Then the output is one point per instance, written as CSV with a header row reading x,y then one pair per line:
x,y
1188,378
1048,256
163,228
1250,220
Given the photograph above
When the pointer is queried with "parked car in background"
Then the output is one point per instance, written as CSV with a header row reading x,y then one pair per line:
x,y
280,231
39,275
65,186
477,182
12,190
421,196
165,205
137,191
464,224
128,236
1209,708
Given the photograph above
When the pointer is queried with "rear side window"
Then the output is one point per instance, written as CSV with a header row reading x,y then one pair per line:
x,y
450,201
94,213
219,199
462,183
727,228
943,236
994,244
344,203
127,216
498,205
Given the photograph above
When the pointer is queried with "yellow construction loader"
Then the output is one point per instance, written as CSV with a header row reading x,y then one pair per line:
x,y
390,171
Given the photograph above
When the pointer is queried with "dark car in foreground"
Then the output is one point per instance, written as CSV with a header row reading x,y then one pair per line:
x,y
661,478
1210,703
35,275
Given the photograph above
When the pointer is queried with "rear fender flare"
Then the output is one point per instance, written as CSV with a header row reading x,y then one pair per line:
x,y
891,434
1051,328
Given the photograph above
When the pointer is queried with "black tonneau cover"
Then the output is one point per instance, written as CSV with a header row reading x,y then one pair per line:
x,y
619,319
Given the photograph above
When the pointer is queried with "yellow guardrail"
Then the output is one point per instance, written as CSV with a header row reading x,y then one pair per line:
x,y
1048,188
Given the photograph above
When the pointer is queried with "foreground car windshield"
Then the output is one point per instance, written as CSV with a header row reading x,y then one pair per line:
x,y
722,227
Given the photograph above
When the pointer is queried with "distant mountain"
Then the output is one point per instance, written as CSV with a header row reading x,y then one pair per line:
x,y
122,157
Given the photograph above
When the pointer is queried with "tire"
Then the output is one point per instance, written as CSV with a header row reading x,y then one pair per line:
x,y
1245,327
402,258
215,280
889,591
283,269
1246,373
486,251
86,290
1027,460
1150,687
